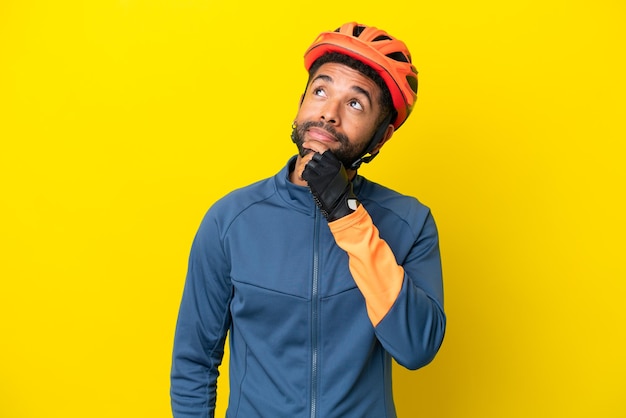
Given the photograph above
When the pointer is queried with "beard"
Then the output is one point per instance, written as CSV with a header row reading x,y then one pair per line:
x,y
347,152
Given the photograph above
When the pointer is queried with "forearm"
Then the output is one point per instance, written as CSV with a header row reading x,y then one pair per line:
x,y
371,262
194,375
196,358
404,303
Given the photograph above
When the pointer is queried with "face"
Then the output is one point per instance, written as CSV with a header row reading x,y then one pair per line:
x,y
340,109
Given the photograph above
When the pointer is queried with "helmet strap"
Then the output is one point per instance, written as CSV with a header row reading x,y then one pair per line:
x,y
376,139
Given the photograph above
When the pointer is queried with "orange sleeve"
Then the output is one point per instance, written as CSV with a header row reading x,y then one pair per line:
x,y
371,262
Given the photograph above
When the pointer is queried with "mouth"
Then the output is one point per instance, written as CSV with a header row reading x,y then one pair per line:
x,y
320,134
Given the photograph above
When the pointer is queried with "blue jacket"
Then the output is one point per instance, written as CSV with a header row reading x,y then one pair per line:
x,y
265,268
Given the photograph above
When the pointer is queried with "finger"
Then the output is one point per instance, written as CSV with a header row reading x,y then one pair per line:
x,y
316,157
301,163
315,146
307,158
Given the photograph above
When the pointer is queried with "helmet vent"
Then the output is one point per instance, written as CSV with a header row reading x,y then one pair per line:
x,y
398,56
413,83
357,31
381,38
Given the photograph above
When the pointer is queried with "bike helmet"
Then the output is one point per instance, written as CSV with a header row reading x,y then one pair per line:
x,y
388,56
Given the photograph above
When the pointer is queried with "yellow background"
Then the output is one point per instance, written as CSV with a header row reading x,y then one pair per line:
x,y
122,121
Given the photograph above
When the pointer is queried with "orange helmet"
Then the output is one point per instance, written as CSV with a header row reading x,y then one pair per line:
x,y
388,56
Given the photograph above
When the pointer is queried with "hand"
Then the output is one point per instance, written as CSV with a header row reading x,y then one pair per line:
x,y
309,148
330,185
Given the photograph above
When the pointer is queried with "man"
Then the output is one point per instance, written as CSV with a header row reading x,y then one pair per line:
x,y
319,276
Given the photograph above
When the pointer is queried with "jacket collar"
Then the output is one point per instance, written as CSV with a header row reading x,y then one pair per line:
x,y
299,197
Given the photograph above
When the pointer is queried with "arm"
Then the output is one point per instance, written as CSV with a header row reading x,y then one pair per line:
x,y
203,322
404,299
404,302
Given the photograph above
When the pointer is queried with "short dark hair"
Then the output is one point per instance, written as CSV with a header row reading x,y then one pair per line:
x,y
386,103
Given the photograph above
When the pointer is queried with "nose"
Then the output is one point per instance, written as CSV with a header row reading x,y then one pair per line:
x,y
330,113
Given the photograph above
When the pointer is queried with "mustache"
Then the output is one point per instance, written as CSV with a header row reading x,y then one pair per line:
x,y
343,139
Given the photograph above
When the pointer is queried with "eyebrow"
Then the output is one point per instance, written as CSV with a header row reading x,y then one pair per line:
x,y
357,89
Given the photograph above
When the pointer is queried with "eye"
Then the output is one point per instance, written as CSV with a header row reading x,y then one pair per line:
x,y
355,104
318,91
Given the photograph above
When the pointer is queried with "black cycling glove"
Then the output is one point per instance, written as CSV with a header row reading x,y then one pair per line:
x,y
331,188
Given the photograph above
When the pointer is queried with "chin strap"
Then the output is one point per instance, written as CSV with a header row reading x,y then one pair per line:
x,y
378,136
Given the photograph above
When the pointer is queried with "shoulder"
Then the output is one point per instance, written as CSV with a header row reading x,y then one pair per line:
x,y
380,197
228,208
402,220
249,194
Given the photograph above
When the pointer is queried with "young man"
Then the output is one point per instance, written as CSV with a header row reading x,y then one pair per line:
x,y
319,276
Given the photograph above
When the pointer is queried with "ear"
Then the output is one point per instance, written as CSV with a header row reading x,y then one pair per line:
x,y
386,137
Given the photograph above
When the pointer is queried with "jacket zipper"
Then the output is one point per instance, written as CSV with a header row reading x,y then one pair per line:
x,y
315,316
